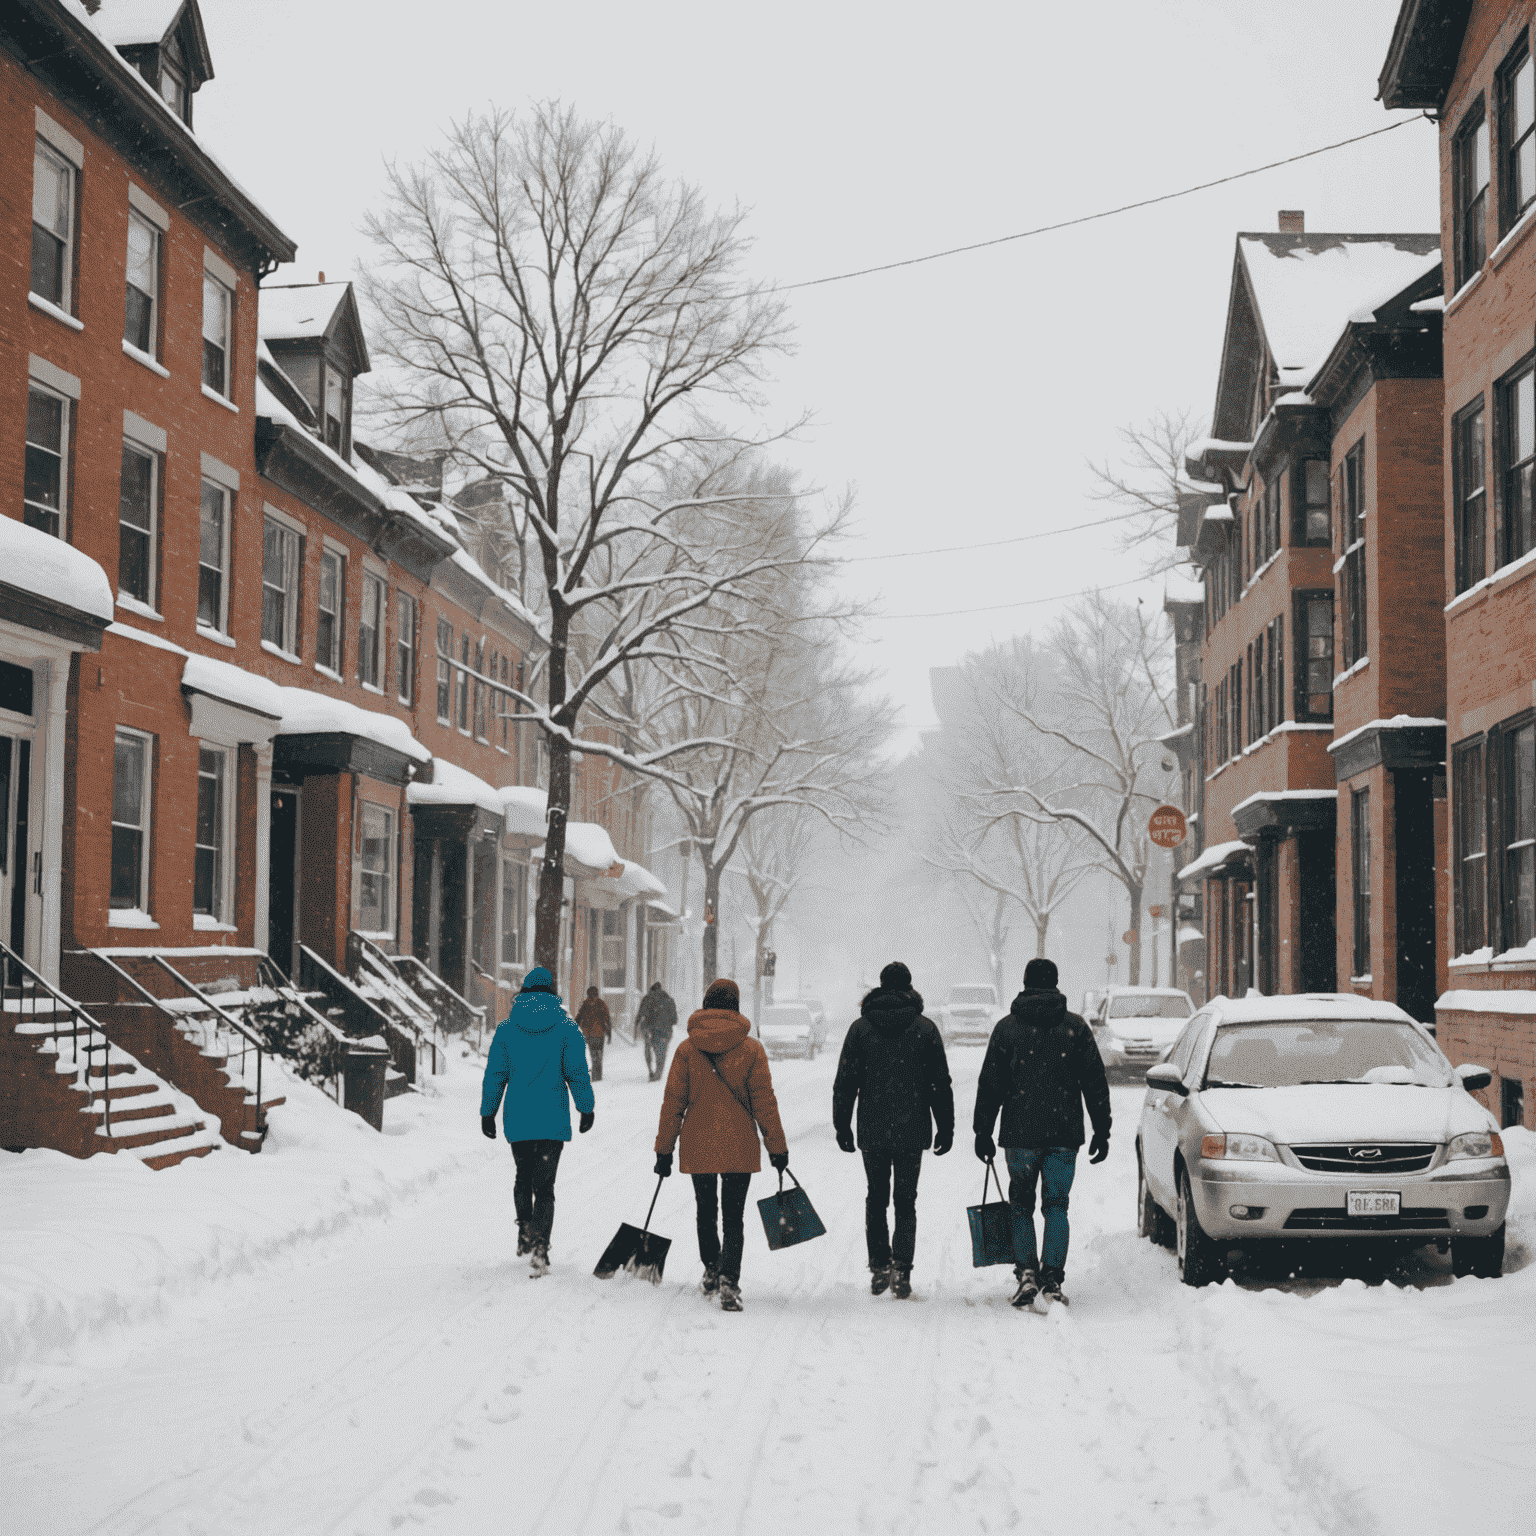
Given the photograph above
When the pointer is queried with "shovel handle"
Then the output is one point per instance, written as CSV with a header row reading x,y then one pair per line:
x,y
654,1198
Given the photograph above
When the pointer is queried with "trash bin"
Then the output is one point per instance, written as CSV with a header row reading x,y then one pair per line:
x,y
363,1084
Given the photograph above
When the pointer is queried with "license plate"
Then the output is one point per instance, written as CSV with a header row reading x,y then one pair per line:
x,y
1372,1202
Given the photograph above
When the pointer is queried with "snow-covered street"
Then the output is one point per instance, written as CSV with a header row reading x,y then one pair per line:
x,y
384,1363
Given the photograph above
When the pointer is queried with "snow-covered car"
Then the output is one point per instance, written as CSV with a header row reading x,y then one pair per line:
x,y
1316,1117
1135,1026
789,1029
967,1014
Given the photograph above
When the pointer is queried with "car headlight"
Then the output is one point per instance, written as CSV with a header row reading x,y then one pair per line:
x,y
1240,1149
1475,1144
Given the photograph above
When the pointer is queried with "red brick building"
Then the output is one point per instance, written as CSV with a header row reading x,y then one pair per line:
x,y
1471,65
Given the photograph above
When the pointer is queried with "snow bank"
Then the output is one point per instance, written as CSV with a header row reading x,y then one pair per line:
x,y
307,713
89,1245
53,569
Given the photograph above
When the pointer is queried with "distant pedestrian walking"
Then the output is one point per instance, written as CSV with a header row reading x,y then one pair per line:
x,y
596,1025
655,1019
1040,1068
537,1061
719,1094
894,1068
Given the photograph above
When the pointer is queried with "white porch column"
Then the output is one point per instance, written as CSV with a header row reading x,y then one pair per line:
x,y
259,935
50,919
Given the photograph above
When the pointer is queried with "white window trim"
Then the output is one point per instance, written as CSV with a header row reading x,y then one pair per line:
x,y
132,439
287,519
43,372
149,362
220,473
60,139
220,630
291,594
216,397
226,892
141,202
144,433
37,301
229,335
66,434
371,573
331,666
390,881
73,164
400,694
221,269
154,297
137,916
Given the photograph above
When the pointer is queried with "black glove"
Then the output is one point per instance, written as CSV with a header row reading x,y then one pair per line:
x,y
779,1160
488,1126
845,1141
943,1142
663,1168
586,1122
1098,1148
986,1148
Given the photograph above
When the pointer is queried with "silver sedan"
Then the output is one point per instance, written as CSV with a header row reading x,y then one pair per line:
x,y
1316,1117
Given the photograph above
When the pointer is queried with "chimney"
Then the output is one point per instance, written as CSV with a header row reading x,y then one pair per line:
x,y
1282,225
1293,221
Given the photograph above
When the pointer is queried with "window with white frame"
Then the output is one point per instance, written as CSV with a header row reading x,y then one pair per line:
x,y
370,630
45,489
210,854
1517,831
218,308
280,565
444,671
330,605
142,286
405,648
464,654
376,871
482,691
53,225
137,508
132,761
213,557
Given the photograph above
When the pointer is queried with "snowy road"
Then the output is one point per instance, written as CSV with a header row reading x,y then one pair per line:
x,y
405,1374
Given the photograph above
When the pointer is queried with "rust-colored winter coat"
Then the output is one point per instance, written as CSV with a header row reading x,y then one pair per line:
x,y
594,1020
718,1134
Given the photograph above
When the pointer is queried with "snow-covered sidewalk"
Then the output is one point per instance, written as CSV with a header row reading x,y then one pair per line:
x,y
343,1342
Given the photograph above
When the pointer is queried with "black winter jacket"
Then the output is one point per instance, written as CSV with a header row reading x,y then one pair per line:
x,y
657,1013
893,1065
1041,1065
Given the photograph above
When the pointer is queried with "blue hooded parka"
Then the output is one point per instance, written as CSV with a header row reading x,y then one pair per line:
x,y
539,1060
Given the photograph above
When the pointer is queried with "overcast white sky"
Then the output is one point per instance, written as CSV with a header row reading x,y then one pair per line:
x,y
963,397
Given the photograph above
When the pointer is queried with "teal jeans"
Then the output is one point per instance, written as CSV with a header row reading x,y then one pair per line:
x,y
1052,1168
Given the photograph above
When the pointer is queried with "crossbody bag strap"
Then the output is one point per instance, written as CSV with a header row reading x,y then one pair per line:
x,y
715,1068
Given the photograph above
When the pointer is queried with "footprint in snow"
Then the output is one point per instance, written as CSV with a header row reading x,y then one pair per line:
x,y
432,1497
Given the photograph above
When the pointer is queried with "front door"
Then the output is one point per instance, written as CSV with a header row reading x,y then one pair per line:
x,y
283,878
16,853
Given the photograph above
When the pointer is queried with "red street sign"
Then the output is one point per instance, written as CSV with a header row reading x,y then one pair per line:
x,y
1167,827
1155,911
1129,936
1110,959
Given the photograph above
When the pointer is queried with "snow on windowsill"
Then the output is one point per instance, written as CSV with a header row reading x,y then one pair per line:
x,y
325,671
1338,565
1463,293
1505,576
218,399
1361,981
204,633
128,632
1478,957
1359,666
371,688
143,357
130,917
1517,233
1257,576
203,923
37,301
281,654
132,605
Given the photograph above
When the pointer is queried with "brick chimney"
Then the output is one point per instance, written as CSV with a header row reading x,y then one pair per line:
x,y
1293,221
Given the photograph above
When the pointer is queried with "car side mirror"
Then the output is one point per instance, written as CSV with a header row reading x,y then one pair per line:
x,y
1474,1077
1165,1076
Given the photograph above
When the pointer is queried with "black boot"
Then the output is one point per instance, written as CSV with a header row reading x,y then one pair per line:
x,y
901,1282
1028,1289
730,1295
880,1281
1050,1286
710,1284
524,1246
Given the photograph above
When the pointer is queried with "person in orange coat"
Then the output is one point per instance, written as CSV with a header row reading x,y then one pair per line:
x,y
596,1025
719,1093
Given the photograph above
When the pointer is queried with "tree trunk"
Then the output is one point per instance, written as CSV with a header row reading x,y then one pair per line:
x,y
1134,892
711,948
1042,927
546,932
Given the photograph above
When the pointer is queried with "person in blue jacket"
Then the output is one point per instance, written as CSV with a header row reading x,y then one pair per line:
x,y
539,1060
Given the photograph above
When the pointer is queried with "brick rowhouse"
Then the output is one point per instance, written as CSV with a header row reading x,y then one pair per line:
x,y
1471,66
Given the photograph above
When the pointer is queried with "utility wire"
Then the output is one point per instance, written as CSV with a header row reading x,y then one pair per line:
x,y
1023,538
1028,602
1089,218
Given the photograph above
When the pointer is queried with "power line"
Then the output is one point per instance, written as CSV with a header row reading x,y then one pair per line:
x,y
1023,538
1028,602
1089,218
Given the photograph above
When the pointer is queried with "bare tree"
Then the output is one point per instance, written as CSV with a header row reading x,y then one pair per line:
x,y
1148,481
775,852
562,314
1110,707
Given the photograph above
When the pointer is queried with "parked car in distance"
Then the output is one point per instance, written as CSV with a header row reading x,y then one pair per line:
x,y
1321,1117
789,1029
1091,1001
967,1014
1135,1026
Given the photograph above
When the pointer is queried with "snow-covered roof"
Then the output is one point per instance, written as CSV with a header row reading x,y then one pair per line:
x,y
234,685
637,880
452,785
1255,1008
1213,857
307,713
1306,289
1179,587
1285,794
1396,723
299,311
587,844
525,808
1176,732
51,569
125,23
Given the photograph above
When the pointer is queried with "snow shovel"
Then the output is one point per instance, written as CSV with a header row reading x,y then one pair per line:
x,y
789,1217
991,1225
636,1249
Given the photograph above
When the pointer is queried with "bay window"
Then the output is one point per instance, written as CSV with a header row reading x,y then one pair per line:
x,y
1312,628
1313,525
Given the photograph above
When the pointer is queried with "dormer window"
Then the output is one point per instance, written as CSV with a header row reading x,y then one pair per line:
x,y
173,90
166,43
315,337
338,402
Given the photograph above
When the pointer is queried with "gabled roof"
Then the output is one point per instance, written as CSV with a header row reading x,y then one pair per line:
x,y
1421,60
148,23
313,312
1290,294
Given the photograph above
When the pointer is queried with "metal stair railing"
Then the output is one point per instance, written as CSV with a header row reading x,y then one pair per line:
x,y
11,964
248,1041
275,981
363,953
455,1013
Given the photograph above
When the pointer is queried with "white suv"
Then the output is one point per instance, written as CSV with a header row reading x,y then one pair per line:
x,y
968,1013
1135,1026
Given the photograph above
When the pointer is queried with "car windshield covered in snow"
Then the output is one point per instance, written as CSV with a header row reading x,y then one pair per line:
x,y
972,996
1150,1006
1293,1052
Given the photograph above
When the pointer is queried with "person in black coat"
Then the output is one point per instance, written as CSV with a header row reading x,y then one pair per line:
x,y
893,1066
1040,1068
655,1019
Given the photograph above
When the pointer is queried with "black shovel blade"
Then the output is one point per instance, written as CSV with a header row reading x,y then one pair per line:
x,y
626,1244
650,1258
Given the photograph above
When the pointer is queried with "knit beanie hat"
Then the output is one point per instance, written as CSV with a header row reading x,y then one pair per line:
x,y
895,977
723,994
